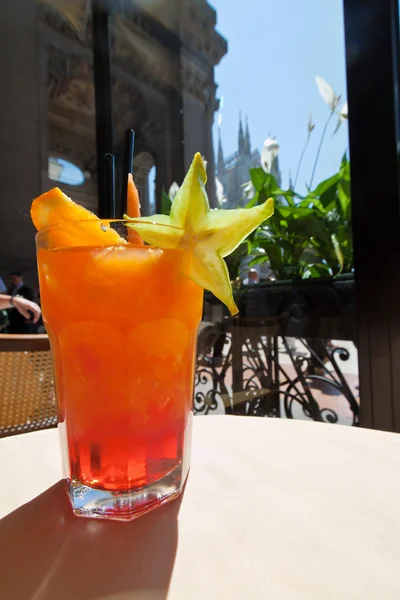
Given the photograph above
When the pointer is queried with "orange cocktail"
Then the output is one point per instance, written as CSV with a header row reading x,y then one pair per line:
x,y
122,321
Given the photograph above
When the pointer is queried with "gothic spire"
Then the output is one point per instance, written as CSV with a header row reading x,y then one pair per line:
x,y
242,149
291,186
220,154
247,139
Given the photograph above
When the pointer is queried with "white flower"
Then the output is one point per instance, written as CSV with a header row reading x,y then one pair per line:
x,y
268,154
327,92
173,190
219,192
344,112
343,116
248,190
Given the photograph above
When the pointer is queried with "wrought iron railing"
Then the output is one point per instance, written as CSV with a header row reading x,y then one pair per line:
x,y
240,371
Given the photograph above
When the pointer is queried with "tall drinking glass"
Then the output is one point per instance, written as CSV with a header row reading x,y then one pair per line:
x,y
122,321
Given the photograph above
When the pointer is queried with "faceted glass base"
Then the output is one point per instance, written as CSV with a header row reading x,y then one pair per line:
x,y
126,505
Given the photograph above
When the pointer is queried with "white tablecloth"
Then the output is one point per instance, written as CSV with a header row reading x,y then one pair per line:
x,y
272,509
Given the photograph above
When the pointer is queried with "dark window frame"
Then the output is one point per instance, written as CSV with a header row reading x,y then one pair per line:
x,y
372,65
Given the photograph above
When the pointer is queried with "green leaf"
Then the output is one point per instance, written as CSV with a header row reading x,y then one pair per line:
x,y
344,201
254,201
318,270
273,254
338,252
257,176
234,259
290,213
263,233
326,192
310,202
270,187
325,185
259,260
344,172
344,162
165,203
344,192
289,196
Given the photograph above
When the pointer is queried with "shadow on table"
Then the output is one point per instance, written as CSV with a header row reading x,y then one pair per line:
x,y
48,553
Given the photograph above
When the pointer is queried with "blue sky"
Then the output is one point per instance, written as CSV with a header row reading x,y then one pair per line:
x,y
275,50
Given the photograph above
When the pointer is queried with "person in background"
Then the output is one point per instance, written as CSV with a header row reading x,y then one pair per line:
x,y
252,278
18,322
26,308
3,313
18,286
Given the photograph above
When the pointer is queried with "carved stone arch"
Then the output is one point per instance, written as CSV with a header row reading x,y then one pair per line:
x,y
163,84
67,16
130,109
136,109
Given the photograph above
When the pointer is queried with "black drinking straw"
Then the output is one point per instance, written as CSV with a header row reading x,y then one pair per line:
x,y
103,101
127,166
109,182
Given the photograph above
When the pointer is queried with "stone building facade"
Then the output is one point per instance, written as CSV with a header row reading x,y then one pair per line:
x,y
163,87
233,171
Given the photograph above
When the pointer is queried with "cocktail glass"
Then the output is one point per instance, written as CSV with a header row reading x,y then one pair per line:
x,y
122,321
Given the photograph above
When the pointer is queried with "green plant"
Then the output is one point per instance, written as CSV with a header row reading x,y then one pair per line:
x,y
332,201
308,236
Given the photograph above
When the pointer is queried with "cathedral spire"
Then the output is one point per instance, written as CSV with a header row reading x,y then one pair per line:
x,y
220,155
291,185
247,140
242,149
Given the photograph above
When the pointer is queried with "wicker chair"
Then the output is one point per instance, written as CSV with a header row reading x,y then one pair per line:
x,y
27,398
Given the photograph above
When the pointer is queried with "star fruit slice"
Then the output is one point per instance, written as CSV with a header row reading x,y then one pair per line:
x,y
209,235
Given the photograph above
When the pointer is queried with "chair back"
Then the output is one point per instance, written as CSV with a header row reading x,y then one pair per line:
x,y
27,396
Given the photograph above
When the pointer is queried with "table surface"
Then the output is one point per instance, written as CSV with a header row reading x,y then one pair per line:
x,y
272,509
